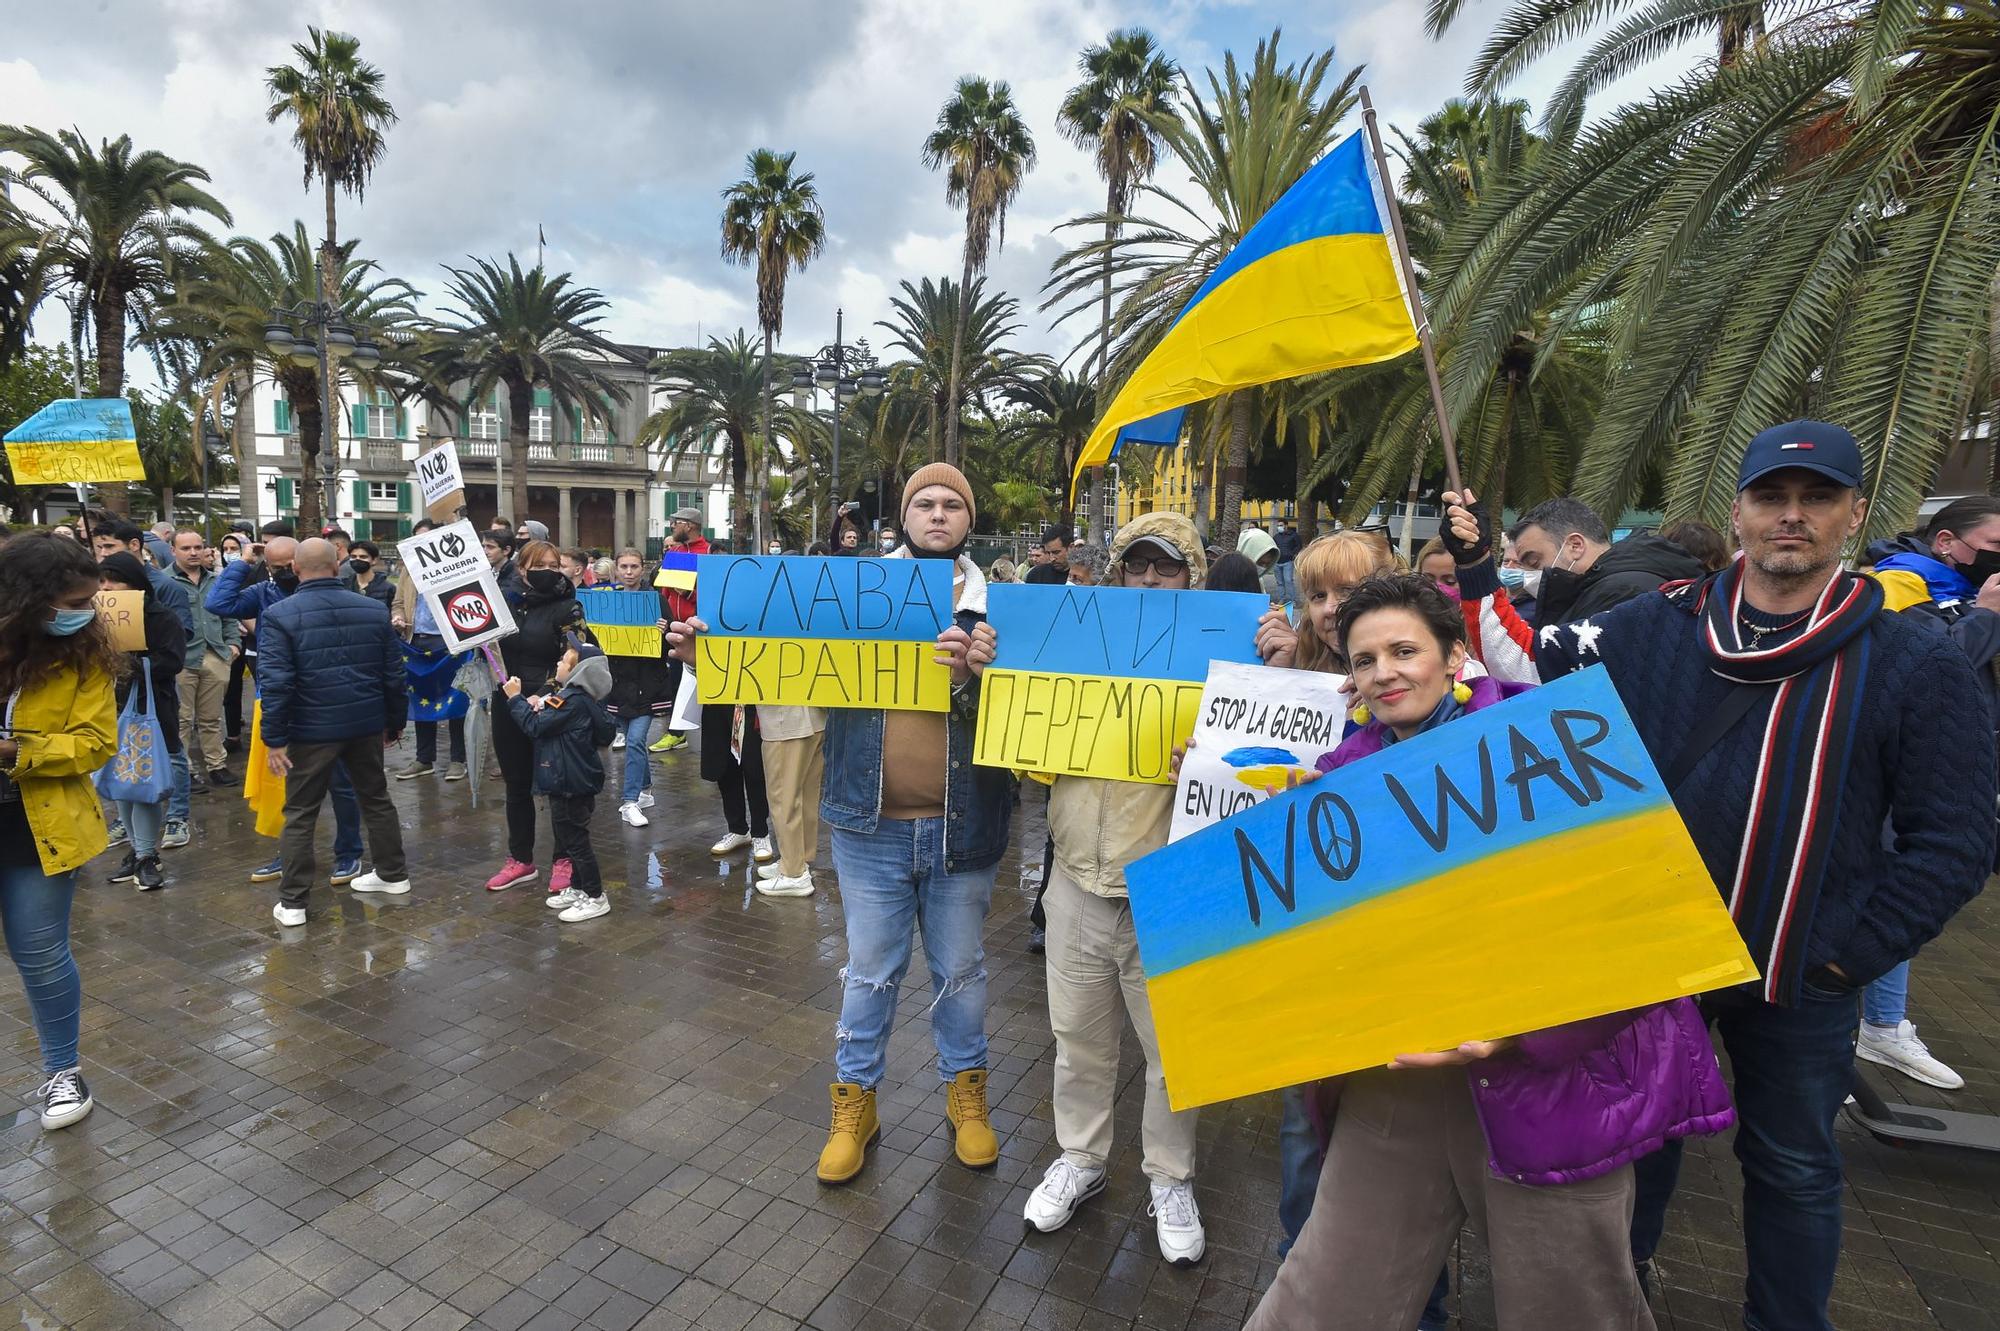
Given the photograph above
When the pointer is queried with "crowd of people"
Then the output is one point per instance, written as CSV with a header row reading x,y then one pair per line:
x,y
1828,735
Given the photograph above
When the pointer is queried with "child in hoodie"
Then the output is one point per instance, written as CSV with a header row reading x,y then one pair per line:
x,y
568,726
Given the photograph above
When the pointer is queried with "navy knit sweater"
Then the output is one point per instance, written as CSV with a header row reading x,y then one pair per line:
x,y
1923,769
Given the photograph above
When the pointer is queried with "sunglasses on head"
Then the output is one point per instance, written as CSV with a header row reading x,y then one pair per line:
x,y
1164,565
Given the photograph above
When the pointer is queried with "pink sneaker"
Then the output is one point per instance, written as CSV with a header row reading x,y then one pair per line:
x,y
559,875
512,874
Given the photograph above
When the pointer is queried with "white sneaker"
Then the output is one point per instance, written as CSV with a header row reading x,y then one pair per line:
x,y
763,850
564,899
375,882
617,742
288,916
587,909
65,1099
780,886
1177,1222
645,799
1062,1189
775,869
733,841
1898,1047
629,811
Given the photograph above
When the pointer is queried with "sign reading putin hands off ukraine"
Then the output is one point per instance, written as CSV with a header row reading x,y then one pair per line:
x,y
824,632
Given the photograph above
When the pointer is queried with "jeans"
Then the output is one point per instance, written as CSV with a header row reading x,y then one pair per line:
x,y
34,911
314,768
346,816
1886,1000
177,798
892,882
1287,588
142,823
638,763
570,815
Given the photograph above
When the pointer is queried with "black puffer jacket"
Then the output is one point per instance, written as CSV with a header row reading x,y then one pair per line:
x,y
165,655
329,667
542,622
1636,565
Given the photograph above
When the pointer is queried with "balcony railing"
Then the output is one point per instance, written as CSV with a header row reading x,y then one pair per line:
x,y
566,453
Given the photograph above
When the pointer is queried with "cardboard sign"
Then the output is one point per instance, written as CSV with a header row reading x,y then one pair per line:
x,y
73,441
123,615
824,632
440,483
1257,727
677,570
451,572
1103,681
625,623
1512,870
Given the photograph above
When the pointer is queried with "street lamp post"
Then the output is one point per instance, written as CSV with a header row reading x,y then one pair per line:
x,y
847,373
326,338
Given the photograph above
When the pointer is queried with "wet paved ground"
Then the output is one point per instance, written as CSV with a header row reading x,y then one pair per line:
x,y
451,1111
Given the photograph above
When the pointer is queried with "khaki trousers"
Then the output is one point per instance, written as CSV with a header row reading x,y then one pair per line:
x,y
1407,1167
792,772
1094,984
202,688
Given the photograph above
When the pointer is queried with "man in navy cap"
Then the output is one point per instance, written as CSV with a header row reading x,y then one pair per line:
x,y
1827,757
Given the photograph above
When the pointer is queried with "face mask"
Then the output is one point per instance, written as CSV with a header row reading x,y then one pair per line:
x,y
230,557
359,565
548,581
68,622
1985,563
1531,581
888,543
774,549
1512,578
288,581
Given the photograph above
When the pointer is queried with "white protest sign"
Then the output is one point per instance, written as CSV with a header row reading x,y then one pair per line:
x,y
439,481
451,573
1257,725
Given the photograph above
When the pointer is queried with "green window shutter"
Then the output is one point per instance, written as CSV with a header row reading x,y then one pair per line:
x,y
358,415
543,399
282,416
403,526
576,423
363,530
403,498
361,496
285,499
468,415
402,423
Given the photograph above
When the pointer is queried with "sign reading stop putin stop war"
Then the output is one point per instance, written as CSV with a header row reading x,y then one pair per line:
x,y
73,441
824,632
1103,681
1515,869
455,580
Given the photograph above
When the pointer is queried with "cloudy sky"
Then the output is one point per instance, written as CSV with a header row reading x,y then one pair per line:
x,y
614,125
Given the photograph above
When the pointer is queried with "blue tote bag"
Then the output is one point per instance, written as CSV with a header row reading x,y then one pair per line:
x,y
142,773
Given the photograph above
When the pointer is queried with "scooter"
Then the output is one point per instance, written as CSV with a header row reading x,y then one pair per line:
x,y
1907,1125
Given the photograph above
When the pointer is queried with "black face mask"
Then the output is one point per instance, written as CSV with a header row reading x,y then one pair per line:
x,y
547,581
1985,563
1558,593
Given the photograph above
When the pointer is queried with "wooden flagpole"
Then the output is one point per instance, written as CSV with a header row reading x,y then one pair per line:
x,y
1417,315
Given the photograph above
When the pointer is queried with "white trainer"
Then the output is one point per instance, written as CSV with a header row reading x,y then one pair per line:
x,y
1177,1222
1898,1047
375,882
617,742
763,851
781,886
289,916
564,899
645,799
775,869
587,909
1062,1189
629,811
732,842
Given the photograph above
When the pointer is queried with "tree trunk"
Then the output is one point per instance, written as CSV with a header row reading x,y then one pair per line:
x,y
1236,473
1104,313
305,413
167,504
329,272
520,402
107,317
764,472
243,447
957,352
1306,524
739,499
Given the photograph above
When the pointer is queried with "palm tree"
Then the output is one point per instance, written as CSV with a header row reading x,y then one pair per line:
x,y
1054,418
525,330
955,363
772,218
113,232
986,150
221,314
1244,145
338,113
712,390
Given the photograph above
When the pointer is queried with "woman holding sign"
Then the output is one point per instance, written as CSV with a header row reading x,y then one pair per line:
x,y
1531,1137
164,654
57,668
545,613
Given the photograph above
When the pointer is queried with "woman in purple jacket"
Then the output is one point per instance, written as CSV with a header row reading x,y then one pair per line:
x,y
1530,1137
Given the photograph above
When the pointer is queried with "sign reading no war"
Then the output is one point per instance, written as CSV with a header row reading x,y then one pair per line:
x,y
1515,869
1103,681
450,569
843,632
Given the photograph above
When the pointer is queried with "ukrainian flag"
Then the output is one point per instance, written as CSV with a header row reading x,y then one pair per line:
x,y
1314,286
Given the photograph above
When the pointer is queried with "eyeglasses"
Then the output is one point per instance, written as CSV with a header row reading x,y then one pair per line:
x,y
1164,565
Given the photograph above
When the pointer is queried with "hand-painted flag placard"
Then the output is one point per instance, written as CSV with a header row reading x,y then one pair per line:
x,y
1258,727
76,440
626,623
824,632
1103,681
677,570
1515,869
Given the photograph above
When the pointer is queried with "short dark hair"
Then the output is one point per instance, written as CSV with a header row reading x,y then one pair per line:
x,y
277,528
118,530
1233,573
1057,533
498,523
1395,590
1961,515
332,533
503,539
422,524
1560,517
374,550
1704,542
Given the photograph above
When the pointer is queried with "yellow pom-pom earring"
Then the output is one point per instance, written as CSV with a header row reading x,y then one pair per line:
x,y
1462,692
1360,714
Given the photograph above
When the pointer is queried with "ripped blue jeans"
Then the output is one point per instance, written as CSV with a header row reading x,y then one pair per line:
x,y
893,882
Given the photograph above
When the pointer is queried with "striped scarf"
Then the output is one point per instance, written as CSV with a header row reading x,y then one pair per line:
x,y
1819,675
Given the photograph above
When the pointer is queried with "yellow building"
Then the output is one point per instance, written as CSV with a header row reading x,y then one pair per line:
x,y
1171,488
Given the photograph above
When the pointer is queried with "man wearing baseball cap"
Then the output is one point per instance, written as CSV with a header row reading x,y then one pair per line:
x,y
1815,745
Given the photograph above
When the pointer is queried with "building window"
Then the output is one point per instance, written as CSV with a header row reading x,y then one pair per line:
x,y
594,430
382,492
541,424
381,415
483,420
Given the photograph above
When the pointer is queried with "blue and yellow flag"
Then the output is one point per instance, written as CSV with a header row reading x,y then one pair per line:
x,y
1314,286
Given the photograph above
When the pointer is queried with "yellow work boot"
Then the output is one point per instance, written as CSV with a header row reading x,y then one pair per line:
x,y
965,1106
855,1129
